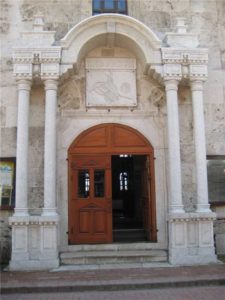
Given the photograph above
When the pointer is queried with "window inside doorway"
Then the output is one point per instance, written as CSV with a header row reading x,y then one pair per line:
x,y
109,6
123,178
99,183
83,183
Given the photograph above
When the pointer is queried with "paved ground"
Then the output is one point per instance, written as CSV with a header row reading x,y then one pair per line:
x,y
196,282
195,293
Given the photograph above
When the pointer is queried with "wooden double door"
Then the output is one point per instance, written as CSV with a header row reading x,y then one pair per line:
x,y
90,182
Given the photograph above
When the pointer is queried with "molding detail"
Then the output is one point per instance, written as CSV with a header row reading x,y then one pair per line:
x,y
191,217
185,63
185,56
33,220
172,71
27,66
198,72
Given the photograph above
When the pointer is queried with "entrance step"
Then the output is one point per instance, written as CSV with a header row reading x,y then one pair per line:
x,y
113,254
129,235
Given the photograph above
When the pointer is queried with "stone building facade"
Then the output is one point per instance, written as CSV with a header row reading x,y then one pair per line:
x,y
149,82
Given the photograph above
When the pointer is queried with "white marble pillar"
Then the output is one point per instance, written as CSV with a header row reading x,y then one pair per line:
x,y
200,146
174,161
50,148
21,206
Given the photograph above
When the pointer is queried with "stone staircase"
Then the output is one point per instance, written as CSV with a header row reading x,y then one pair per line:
x,y
112,255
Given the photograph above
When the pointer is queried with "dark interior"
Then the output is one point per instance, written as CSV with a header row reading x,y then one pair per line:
x,y
127,200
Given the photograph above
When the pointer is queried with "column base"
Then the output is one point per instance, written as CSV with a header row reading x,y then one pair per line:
x,y
203,208
33,265
191,239
49,212
34,243
176,209
21,212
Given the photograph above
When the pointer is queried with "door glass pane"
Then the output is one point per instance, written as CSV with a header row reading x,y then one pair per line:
x,y
99,183
83,183
109,4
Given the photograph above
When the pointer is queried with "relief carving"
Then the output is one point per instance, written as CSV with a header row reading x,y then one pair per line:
x,y
111,82
69,94
157,96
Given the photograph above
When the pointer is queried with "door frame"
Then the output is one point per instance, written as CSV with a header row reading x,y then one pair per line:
x,y
115,139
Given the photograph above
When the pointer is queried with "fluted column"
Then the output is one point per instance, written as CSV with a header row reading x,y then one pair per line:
x,y
21,206
50,148
200,146
174,161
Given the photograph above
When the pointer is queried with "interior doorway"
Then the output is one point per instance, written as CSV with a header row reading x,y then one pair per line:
x,y
111,186
128,197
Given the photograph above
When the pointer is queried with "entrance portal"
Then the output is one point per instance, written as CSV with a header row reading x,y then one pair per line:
x,y
111,186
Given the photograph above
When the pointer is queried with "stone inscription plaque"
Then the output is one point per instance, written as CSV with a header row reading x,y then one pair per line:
x,y
111,82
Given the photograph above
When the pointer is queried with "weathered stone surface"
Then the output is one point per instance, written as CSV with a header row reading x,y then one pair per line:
x,y
8,142
5,19
203,17
2,116
70,93
5,237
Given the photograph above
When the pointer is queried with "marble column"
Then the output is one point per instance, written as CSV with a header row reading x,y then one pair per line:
x,y
174,161
50,148
21,206
200,146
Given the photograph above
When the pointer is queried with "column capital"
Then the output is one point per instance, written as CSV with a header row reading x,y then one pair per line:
x,y
24,84
172,71
171,84
196,84
51,84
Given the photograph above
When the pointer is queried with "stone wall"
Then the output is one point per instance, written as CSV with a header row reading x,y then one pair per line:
x,y
5,237
204,17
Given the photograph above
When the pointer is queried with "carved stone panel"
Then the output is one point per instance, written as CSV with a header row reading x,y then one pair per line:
x,y
111,82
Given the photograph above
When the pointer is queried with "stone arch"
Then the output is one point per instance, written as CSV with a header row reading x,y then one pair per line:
x,y
97,30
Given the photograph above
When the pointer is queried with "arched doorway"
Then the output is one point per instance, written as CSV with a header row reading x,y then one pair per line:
x,y
111,186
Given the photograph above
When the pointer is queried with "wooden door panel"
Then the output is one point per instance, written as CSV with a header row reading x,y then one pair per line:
x,y
100,221
121,138
98,138
90,208
84,221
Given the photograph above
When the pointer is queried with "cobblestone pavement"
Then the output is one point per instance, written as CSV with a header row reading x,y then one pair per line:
x,y
195,293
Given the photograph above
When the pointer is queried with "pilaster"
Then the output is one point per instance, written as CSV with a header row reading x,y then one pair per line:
x,y
50,148
174,161
200,145
190,235
35,238
21,207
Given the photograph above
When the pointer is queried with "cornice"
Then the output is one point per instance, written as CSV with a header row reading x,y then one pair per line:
x,y
38,62
184,56
27,55
185,63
